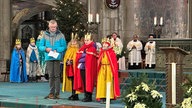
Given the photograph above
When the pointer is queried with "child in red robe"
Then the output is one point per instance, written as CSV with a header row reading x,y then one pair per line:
x,y
86,68
107,72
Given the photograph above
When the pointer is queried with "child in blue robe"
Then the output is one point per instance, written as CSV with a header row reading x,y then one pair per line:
x,y
18,64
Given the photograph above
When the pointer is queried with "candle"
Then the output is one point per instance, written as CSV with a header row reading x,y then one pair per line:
x,y
155,20
108,95
161,21
97,18
173,67
91,17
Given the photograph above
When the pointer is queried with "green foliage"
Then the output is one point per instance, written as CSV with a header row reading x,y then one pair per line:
x,y
143,93
187,90
71,17
186,85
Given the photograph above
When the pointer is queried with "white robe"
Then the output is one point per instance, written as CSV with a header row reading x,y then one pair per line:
x,y
135,54
150,53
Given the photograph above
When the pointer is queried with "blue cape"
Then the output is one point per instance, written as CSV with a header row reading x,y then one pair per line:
x,y
15,66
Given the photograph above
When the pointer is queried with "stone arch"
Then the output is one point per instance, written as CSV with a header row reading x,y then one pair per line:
x,y
26,14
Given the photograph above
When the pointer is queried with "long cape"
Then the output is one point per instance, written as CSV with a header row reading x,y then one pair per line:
x,y
90,68
28,54
15,67
71,55
113,64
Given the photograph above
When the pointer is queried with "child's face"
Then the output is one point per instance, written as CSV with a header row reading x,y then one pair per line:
x,y
18,46
87,42
105,45
32,43
74,42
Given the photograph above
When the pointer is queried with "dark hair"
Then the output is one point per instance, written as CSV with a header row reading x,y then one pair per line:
x,y
151,35
114,33
109,36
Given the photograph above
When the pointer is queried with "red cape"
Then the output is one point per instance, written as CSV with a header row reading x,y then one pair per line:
x,y
90,68
114,67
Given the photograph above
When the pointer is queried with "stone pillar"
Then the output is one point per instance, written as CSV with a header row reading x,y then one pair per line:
x,y
5,33
120,20
190,18
93,9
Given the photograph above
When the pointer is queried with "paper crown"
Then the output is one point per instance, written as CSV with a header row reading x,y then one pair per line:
x,y
106,40
74,37
17,41
40,34
32,40
88,36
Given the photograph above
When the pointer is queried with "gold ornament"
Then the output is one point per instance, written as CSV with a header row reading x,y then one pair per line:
x,y
74,37
32,40
88,36
17,41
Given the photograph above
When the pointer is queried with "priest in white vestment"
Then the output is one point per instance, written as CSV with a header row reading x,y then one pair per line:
x,y
134,47
150,53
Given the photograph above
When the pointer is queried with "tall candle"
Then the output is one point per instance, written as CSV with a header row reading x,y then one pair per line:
x,y
88,17
161,21
91,17
108,94
173,67
89,11
97,18
155,20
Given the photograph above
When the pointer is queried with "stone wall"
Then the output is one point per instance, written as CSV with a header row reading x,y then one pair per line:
x,y
137,17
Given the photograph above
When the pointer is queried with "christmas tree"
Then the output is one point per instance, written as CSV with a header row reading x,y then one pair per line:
x,y
71,17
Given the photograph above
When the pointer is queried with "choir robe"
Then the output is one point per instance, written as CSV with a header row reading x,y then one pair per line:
x,y
69,55
107,72
150,53
18,73
90,68
135,54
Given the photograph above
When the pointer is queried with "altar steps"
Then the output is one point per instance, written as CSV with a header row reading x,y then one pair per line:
x,y
156,77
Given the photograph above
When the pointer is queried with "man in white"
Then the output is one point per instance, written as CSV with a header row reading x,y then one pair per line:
x,y
150,53
117,45
134,47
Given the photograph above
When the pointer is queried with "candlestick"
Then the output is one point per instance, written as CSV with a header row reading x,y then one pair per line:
x,y
161,21
97,18
155,20
173,67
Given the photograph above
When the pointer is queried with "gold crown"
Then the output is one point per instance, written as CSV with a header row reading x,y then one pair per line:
x,y
74,37
32,40
17,41
106,40
88,36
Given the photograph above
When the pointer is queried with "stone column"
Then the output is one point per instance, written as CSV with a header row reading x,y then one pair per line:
x,y
93,9
190,18
5,33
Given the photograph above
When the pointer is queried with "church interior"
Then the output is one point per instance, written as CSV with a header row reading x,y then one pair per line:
x,y
170,21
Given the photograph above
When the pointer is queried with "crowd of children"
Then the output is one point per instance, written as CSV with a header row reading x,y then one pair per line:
x,y
83,67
